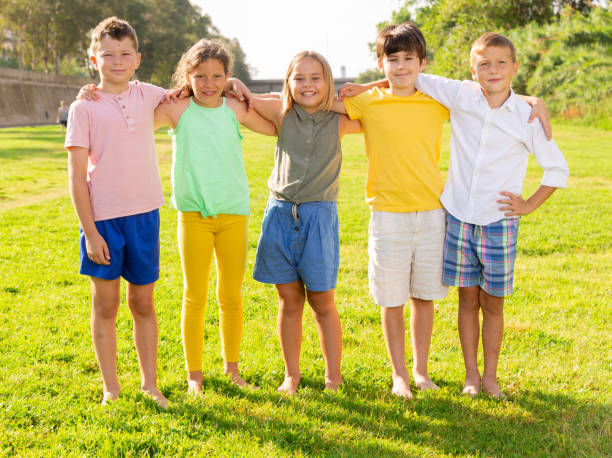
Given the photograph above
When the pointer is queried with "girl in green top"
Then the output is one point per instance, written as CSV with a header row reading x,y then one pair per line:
x,y
211,194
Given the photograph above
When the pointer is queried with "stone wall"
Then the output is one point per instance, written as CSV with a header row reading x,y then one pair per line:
x,y
30,98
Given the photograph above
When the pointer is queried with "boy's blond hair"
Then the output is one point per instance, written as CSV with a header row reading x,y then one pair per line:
x,y
115,28
194,56
328,100
489,39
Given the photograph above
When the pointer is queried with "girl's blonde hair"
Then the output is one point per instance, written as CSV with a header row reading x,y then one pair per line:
x,y
194,56
327,101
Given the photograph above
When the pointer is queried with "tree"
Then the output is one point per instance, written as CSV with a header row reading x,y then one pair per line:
x,y
54,34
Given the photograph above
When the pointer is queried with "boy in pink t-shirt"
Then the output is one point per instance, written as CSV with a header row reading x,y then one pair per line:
x,y
116,191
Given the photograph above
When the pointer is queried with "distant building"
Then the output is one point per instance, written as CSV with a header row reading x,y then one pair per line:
x,y
7,43
274,85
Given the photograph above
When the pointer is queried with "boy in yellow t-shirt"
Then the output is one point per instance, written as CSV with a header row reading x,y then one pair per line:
x,y
403,135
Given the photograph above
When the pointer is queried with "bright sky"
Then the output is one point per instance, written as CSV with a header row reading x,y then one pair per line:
x,y
271,32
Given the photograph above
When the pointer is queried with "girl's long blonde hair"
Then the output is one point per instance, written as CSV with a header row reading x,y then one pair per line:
x,y
194,56
327,101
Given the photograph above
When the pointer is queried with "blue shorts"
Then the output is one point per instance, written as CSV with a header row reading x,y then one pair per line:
x,y
481,255
299,242
133,244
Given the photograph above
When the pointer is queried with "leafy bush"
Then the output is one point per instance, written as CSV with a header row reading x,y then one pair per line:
x,y
568,63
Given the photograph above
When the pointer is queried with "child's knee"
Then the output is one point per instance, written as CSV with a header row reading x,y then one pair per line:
x,y
142,306
106,309
469,298
492,306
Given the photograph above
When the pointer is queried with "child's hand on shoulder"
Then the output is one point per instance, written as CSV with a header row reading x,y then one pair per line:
x,y
351,90
175,95
89,92
514,205
236,88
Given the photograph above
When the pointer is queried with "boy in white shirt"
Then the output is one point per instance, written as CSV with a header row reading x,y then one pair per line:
x,y
489,148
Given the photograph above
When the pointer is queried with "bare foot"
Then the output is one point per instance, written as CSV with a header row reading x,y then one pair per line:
x,y
109,397
157,396
423,382
491,388
194,387
401,387
289,386
240,382
471,385
332,385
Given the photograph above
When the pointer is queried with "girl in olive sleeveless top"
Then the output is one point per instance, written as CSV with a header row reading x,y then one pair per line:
x,y
211,194
299,246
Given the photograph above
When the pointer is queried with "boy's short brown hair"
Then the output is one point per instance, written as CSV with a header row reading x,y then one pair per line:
x,y
401,37
489,39
115,28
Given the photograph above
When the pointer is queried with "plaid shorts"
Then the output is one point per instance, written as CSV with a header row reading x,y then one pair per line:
x,y
481,255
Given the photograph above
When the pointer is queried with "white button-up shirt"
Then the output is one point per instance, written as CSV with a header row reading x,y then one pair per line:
x,y
489,149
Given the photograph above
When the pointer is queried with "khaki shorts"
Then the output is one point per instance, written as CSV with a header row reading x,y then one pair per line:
x,y
406,256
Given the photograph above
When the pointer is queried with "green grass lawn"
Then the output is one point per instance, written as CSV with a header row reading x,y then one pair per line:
x,y
556,362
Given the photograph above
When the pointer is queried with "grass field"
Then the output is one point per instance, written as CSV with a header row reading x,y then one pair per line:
x,y
556,362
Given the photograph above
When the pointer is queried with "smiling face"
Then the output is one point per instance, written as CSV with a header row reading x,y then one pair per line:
x,y
493,67
117,61
401,69
307,84
207,81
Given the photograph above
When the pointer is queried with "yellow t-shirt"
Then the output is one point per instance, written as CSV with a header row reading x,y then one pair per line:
x,y
403,136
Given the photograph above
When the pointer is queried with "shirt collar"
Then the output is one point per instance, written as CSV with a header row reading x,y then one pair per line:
x,y
509,104
303,114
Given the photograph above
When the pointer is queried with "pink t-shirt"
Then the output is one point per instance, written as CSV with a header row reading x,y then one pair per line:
x,y
117,130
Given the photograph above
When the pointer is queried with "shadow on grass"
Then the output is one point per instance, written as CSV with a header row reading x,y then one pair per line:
x,y
532,423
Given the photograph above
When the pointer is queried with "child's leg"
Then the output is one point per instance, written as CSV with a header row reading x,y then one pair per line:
x,y
140,302
330,334
492,334
291,298
392,319
105,304
469,334
195,240
231,252
421,326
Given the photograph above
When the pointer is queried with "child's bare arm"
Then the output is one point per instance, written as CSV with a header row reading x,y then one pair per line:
x,y
239,90
268,107
349,126
515,205
169,114
353,89
251,118
338,106
97,249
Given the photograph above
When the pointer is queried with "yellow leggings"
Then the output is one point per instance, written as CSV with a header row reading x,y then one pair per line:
x,y
197,238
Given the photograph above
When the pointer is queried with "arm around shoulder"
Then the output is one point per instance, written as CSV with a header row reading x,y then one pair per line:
x,y
348,126
252,119
443,90
169,114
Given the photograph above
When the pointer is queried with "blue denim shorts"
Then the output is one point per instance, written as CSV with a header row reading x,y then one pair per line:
x,y
133,244
299,242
